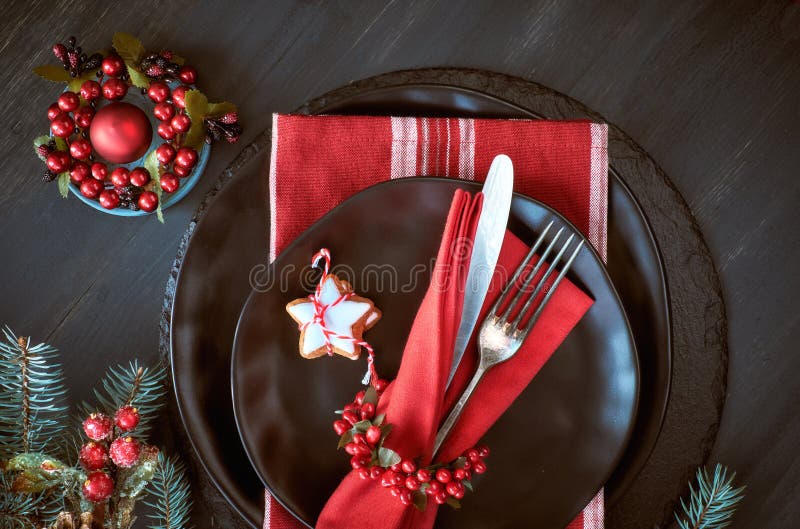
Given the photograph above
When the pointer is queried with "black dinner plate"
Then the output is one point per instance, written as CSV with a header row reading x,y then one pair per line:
x,y
553,449
230,240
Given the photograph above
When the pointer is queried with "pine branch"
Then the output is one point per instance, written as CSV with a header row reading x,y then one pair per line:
x,y
170,487
712,503
18,511
31,398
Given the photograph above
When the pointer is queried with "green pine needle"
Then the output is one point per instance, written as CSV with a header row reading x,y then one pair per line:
x,y
25,511
169,488
712,502
32,401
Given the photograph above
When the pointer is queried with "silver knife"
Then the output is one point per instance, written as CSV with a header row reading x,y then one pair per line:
x,y
497,191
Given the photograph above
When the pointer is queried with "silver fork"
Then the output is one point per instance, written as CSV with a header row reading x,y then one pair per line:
x,y
498,338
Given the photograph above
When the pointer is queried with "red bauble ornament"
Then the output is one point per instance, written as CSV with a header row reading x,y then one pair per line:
x,y
187,157
91,90
120,176
126,418
69,101
169,182
166,131
165,153
181,123
114,89
53,111
164,111
62,125
97,426
83,117
187,75
179,95
148,201
140,176
93,456
99,171
79,172
98,487
58,161
80,149
109,199
113,65
124,451
158,91
121,132
180,171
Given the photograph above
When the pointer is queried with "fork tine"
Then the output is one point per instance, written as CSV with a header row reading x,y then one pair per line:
x,y
530,277
524,332
504,294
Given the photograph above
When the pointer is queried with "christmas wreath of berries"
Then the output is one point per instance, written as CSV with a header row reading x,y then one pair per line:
x,y
101,141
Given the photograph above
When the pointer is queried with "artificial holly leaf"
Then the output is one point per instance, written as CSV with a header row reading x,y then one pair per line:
x,y
196,135
420,500
33,461
377,421
386,429
459,463
138,79
362,426
387,457
217,110
196,104
128,47
344,439
38,142
132,482
57,74
63,184
36,472
154,168
61,143
467,485
454,503
74,85
177,59
371,396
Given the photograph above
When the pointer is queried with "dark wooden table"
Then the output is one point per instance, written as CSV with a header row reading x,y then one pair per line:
x,y
710,89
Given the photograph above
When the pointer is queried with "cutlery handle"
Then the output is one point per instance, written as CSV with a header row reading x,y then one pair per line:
x,y
441,435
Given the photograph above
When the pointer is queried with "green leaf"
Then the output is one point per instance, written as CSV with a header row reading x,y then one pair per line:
x,y
61,143
377,421
467,485
371,396
128,47
387,457
138,79
196,135
420,500
196,105
132,482
217,110
75,84
454,503
63,184
154,168
177,59
459,462
57,74
362,426
344,439
38,142
386,429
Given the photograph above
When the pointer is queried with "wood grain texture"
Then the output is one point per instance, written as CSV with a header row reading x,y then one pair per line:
x,y
708,89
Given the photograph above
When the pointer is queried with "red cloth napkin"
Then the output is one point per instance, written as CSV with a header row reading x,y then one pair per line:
x,y
317,162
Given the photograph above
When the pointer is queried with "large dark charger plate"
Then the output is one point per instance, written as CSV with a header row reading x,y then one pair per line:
x,y
230,239
553,449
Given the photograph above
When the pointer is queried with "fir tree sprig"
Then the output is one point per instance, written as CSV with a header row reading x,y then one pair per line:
x,y
25,511
170,489
712,501
32,397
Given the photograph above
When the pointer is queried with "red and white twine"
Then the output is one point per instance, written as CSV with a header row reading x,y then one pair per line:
x,y
319,316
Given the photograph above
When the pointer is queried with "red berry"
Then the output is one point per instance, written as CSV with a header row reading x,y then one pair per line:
x,y
98,487
455,489
113,65
126,418
412,483
148,201
373,435
363,473
368,409
120,176
165,153
360,397
459,474
80,149
181,171
407,497
387,480
479,467
53,111
440,497
443,475
396,491
93,456
358,462
423,475
408,466
187,75
380,385
99,171
90,188
179,96
472,455
166,131
483,451
124,451
158,91
230,117
433,488
396,468
91,90
340,427
360,438
109,199
83,117
60,51
163,111
181,123
350,417
58,161
140,176
62,125
68,101
114,89
79,172
187,157
97,426
350,448
375,472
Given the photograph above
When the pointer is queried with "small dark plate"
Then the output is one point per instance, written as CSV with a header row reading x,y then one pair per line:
x,y
552,450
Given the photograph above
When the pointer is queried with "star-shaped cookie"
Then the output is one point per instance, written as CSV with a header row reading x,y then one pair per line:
x,y
349,318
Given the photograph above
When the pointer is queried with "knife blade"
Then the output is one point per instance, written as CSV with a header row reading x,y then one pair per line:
x,y
497,191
